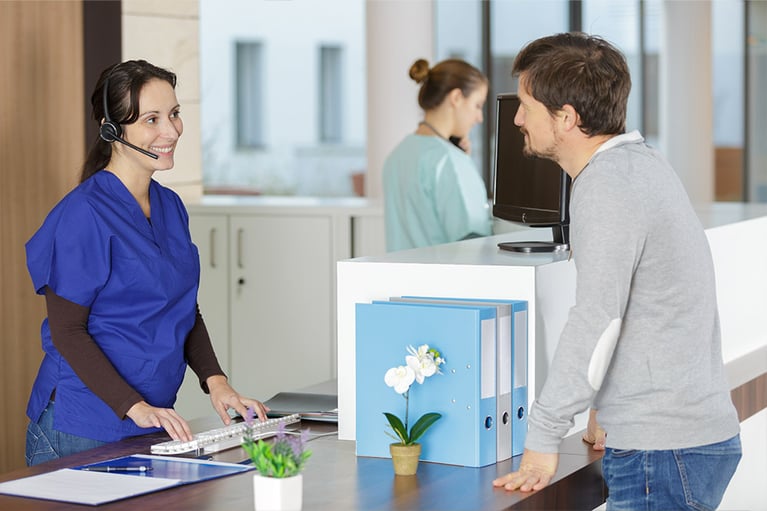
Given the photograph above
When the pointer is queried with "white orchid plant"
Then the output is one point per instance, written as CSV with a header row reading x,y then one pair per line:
x,y
419,365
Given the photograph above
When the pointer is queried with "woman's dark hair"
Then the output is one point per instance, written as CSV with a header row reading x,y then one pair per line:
x,y
580,70
438,81
124,82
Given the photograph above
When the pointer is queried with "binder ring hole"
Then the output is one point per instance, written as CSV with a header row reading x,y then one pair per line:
x,y
505,417
488,422
521,412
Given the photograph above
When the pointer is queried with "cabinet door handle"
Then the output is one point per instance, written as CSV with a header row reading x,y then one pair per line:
x,y
213,247
239,247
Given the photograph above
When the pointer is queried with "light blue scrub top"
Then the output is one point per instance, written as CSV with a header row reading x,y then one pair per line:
x,y
432,194
97,249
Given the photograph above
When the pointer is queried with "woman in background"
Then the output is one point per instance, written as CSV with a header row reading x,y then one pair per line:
x,y
116,263
433,192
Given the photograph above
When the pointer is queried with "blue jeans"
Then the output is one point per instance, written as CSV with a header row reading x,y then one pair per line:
x,y
45,443
693,478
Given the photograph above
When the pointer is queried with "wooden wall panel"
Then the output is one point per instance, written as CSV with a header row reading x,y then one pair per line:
x,y
41,148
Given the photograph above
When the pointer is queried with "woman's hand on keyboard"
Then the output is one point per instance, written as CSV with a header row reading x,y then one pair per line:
x,y
224,397
147,416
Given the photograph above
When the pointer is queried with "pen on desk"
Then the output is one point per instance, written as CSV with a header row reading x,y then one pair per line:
x,y
142,468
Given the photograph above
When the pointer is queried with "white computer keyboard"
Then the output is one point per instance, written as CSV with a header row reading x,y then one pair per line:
x,y
219,439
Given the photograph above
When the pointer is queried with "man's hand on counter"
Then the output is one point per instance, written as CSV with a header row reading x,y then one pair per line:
x,y
535,472
594,434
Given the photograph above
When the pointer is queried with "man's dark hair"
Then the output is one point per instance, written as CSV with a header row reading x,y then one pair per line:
x,y
580,70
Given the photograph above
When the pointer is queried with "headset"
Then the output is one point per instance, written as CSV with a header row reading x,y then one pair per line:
x,y
110,131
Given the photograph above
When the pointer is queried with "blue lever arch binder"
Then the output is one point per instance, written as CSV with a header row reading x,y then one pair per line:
x,y
511,373
464,393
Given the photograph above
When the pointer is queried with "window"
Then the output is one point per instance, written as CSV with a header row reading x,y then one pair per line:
x,y
282,96
489,35
250,91
464,29
458,34
620,24
514,24
728,102
756,104
331,88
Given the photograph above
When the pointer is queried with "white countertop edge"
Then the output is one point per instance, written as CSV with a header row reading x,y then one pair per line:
x,y
746,367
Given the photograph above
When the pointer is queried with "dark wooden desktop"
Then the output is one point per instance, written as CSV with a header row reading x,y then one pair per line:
x,y
336,479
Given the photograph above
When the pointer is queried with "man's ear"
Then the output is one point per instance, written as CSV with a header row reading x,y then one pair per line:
x,y
569,117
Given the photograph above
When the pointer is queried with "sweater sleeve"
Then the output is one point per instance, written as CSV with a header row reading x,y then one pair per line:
x,y
199,353
68,322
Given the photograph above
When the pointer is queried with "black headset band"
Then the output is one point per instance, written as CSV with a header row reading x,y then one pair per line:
x,y
109,130
105,95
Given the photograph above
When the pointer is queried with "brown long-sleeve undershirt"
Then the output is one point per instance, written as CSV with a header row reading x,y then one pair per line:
x,y
68,322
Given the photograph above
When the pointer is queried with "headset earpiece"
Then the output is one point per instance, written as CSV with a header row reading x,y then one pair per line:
x,y
109,131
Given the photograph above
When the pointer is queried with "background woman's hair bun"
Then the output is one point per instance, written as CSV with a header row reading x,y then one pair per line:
x,y
419,71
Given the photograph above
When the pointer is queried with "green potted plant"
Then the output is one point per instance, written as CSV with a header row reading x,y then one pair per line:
x,y
420,364
278,485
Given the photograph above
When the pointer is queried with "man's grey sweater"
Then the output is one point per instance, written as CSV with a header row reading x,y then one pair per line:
x,y
642,344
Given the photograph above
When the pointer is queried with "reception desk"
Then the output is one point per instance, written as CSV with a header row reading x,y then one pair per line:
x,y
336,480
477,268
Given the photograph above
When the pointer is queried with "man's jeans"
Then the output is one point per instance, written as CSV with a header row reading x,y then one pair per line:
x,y
693,478
45,443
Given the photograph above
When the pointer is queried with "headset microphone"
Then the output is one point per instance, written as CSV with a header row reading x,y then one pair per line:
x,y
112,132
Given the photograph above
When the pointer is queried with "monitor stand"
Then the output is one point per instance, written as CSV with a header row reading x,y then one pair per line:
x,y
561,234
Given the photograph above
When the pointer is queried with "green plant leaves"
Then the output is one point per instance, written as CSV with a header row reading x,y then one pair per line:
x,y
419,428
275,459
422,424
398,427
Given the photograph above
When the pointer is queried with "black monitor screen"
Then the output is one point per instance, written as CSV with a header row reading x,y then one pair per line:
x,y
530,191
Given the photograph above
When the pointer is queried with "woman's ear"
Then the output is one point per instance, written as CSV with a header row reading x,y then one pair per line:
x,y
455,96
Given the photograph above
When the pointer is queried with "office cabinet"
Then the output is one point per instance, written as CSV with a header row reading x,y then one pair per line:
x,y
267,289
280,300
211,235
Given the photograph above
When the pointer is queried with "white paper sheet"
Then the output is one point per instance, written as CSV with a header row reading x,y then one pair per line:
x,y
84,487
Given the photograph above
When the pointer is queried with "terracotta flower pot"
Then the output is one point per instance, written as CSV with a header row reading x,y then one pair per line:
x,y
405,458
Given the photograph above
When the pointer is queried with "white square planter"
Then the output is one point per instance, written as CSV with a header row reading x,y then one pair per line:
x,y
278,494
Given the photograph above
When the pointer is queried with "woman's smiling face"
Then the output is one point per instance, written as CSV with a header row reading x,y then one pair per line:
x,y
158,127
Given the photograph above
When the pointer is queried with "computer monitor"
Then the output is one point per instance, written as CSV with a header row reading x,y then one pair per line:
x,y
528,191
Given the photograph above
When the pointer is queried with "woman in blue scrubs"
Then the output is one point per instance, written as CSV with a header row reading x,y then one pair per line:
x,y
119,272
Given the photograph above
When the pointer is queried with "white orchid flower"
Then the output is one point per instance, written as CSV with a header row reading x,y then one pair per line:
x,y
422,367
422,362
400,378
421,352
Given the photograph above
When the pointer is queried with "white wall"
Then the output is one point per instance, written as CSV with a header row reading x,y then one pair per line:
x,y
166,34
398,33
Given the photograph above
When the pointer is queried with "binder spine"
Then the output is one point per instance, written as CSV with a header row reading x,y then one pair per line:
x,y
519,392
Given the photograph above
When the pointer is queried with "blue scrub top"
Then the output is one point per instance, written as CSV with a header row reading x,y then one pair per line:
x,y
139,280
433,194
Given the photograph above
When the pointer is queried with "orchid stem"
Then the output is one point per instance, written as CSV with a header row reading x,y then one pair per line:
x,y
407,410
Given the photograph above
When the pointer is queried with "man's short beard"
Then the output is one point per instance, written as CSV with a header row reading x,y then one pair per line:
x,y
548,154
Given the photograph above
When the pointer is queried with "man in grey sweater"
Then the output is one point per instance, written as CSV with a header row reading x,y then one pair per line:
x,y
642,344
